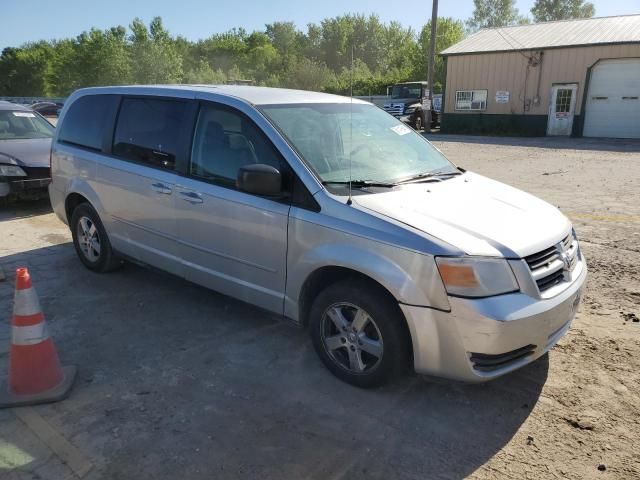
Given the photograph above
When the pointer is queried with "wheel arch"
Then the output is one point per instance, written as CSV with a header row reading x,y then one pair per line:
x,y
79,191
71,202
320,278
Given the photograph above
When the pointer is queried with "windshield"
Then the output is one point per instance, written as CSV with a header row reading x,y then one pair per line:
x,y
17,124
381,148
411,90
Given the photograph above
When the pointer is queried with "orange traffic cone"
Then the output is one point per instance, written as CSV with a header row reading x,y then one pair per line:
x,y
35,373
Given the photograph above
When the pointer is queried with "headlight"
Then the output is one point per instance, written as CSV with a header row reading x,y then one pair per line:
x,y
410,109
11,171
476,277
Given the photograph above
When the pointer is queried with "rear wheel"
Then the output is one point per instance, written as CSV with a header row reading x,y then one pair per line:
x,y
90,240
359,334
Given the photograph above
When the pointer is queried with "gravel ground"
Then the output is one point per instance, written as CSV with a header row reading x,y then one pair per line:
x,y
179,382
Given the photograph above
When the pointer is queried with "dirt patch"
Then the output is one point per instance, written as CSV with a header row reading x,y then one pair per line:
x,y
588,423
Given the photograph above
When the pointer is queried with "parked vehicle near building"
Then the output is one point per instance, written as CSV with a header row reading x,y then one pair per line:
x,y
324,210
409,102
25,144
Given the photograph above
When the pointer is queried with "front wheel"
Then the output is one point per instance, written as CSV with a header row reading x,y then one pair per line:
x,y
90,240
418,123
359,334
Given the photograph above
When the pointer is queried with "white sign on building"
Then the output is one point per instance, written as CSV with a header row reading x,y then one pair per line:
x,y
502,96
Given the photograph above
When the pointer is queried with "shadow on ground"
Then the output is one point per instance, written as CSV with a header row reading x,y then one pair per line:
x,y
24,209
597,144
176,381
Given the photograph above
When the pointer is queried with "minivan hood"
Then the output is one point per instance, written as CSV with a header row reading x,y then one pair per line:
x,y
29,152
477,215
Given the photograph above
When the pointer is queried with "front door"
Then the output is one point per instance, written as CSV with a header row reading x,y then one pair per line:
x,y
562,109
232,241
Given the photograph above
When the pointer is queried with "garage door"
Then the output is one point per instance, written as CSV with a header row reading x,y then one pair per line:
x,y
613,100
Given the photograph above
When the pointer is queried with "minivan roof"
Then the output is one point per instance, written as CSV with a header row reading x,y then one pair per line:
x,y
250,94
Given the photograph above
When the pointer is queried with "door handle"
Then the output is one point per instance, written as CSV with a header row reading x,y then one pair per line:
x,y
161,188
191,197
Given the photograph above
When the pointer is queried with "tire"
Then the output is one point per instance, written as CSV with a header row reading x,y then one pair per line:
x,y
97,255
369,354
418,124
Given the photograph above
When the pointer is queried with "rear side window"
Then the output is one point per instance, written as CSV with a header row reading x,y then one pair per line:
x,y
148,131
85,123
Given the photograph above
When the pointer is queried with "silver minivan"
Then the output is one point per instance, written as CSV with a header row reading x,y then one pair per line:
x,y
327,211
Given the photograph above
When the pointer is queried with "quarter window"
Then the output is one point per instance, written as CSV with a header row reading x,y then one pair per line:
x,y
471,100
85,122
148,131
226,140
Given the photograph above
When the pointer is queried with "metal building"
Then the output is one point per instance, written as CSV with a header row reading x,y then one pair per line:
x,y
572,77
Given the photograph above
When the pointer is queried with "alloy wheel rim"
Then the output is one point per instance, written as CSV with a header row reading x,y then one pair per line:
x,y
88,239
351,338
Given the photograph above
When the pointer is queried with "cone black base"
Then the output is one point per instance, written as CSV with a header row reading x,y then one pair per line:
x,y
55,394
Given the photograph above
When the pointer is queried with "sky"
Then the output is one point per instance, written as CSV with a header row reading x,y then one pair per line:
x,y
30,20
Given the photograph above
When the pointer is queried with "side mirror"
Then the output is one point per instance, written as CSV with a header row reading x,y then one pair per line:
x,y
259,179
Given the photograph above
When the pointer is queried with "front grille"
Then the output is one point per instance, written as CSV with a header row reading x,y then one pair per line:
x,y
395,109
486,363
36,172
552,266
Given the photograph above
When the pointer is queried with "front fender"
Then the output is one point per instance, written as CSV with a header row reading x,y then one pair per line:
x,y
411,277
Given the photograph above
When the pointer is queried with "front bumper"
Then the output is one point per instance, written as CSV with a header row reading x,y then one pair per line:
x,y
480,339
23,187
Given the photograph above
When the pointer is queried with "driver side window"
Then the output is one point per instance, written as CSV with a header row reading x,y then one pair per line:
x,y
225,140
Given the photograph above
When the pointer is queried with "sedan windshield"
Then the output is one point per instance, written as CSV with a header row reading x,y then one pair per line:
x,y
340,141
17,124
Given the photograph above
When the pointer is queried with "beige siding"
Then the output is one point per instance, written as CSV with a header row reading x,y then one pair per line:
x,y
507,71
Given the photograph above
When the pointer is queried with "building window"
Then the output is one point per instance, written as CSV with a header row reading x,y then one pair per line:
x,y
471,100
563,100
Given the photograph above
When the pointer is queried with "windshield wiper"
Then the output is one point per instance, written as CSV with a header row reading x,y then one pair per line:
x,y
426,176
360,183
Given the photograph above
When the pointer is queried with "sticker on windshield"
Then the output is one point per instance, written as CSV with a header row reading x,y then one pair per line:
x,y
24,114
401,129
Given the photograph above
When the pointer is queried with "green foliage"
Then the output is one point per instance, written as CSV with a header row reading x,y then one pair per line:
x,y
495,13
449,32
548,10
154,56
316,58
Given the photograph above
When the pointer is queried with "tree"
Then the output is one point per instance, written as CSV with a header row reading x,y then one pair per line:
x,y
548,10
23,70
100,58
495,13
450,31
224,50
204,74
308,75
154,57
318,58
